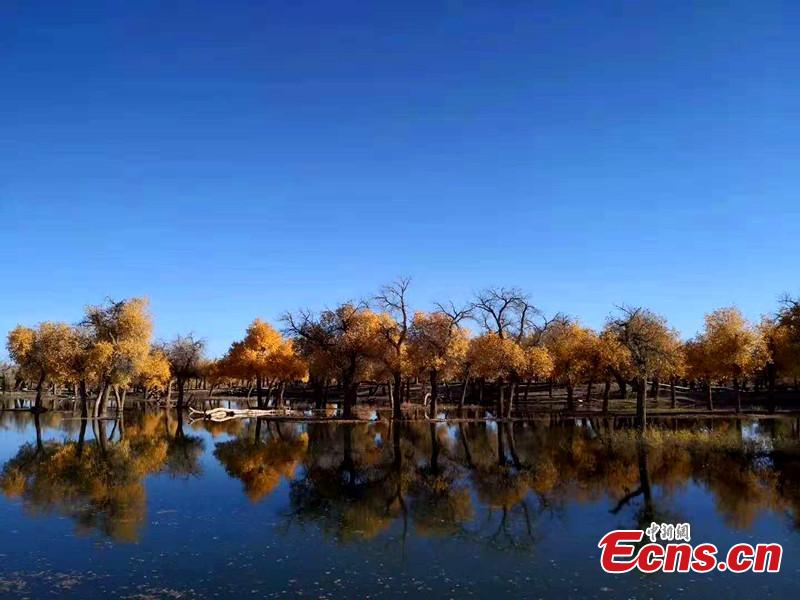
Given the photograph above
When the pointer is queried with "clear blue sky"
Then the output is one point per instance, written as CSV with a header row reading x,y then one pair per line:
x,y
237,159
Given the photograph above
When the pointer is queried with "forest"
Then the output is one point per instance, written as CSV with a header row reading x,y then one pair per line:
x,y
496,355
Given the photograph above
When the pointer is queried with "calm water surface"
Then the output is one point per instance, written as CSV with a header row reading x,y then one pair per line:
x,y
153,507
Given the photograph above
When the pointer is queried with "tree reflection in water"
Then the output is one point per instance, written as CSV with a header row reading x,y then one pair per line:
x,y
485,482
492,482
99,482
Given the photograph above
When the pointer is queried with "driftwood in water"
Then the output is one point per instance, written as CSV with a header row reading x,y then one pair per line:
x,y
226,414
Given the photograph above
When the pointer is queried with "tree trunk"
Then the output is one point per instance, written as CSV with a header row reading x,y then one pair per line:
x,y
397,404
738,391
319,394
623,389
99,404
181,386
84,399
570,397
464,391
37,406
512,390
641,404
606,394
771,386
350,396
259,391
672,396
434,392
589,387
267,403
709,396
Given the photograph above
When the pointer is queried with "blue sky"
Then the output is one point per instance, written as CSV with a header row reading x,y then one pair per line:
x,y
236,159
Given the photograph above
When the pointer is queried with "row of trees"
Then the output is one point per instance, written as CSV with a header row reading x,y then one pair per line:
x,y
111,351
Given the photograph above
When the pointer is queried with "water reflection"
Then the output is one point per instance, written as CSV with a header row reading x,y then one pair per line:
x,y
260,458
355,481
489,483
97,479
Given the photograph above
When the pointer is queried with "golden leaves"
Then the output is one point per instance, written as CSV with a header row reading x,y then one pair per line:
x,y
265,353
729,346
493,357
571,348
154,373
436,343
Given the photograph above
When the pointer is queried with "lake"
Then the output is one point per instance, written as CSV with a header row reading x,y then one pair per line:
x,y
158,507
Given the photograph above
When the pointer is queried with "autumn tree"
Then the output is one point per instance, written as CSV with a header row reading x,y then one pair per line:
x,y
43,353
674,370
787,323
497,358
185,356
250,358
154,375
394,331
266,356
615,362
7,375
457,315
349,339
287,366
701,365
508,314
570,346
652,345
315,349
215,373
120,343
537,364
731,348
783,356
84,366
437,346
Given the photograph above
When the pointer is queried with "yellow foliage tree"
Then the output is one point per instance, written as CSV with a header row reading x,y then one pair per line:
x,y
615,361
347,339
121,333
497,358
44,353
652,346
437,346
730,348
154,374
570,346
266,356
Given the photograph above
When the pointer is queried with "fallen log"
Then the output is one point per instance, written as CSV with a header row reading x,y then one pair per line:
x,y
226,414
